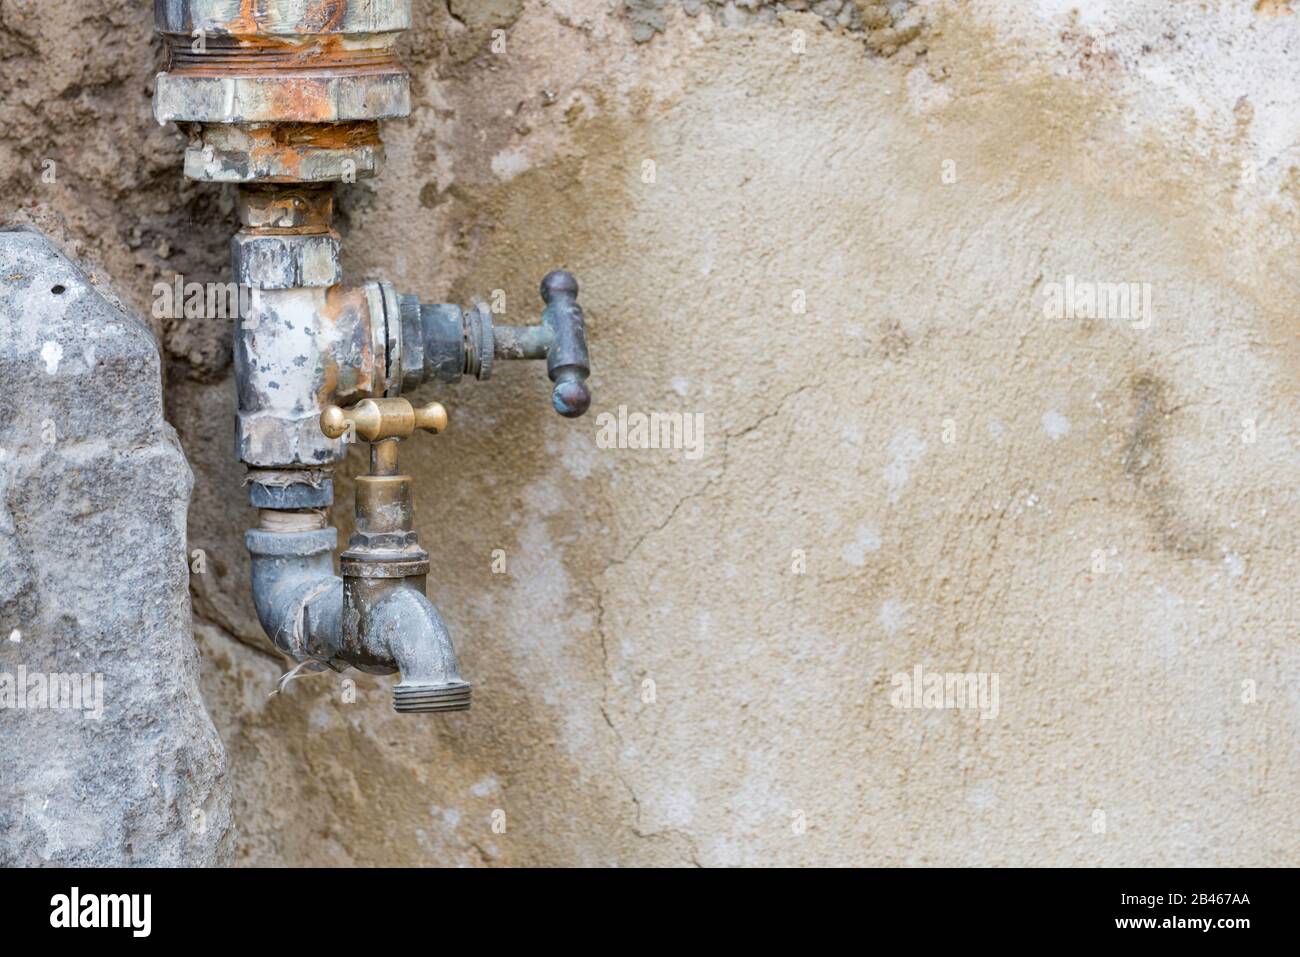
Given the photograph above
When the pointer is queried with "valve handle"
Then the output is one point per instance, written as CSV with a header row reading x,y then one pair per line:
x,y
448,343
377,419
567,360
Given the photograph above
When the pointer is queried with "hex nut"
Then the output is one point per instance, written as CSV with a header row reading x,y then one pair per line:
x,y
285,262
313,165
270,440
286,98
284,152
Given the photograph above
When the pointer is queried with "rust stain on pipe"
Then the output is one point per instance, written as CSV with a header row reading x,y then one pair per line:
x,y
347,359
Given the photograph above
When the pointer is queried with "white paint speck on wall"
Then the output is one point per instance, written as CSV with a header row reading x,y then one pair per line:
x,y
855,553
907,448
982,795
893,615
1055,425
677,806
509,163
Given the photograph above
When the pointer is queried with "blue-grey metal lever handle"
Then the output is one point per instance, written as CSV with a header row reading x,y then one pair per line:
x,y
453,343
567,360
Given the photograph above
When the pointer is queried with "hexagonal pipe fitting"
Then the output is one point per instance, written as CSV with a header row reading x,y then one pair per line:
x,y
282,90
265,261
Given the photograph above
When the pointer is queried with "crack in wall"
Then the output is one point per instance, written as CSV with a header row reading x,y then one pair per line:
x,y
774,412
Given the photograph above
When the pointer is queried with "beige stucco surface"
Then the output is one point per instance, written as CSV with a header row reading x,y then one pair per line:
x,y
690,659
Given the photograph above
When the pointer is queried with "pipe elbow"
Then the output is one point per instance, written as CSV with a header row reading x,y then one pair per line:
x,y
406,626
299,599
309,613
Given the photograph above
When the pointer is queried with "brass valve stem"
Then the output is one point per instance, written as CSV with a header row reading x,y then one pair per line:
x,y
383,457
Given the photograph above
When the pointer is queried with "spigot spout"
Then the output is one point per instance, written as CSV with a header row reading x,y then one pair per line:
x,y
387,621
409,629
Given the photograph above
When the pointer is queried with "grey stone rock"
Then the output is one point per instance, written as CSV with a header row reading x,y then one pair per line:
x,y
94,587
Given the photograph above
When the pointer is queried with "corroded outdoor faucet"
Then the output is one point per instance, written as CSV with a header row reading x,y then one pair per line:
x,y
283,98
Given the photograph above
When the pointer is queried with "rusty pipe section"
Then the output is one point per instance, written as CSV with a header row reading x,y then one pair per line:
x,y
284,98
297,350
282,90
308,342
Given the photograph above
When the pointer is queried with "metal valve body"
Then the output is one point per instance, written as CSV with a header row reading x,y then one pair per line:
x,y
283,98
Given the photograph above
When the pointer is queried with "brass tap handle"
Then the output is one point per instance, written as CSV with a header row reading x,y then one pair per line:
x,y
431,418
374,420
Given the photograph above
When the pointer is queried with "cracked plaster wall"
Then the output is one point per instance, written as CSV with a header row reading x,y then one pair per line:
x,y
972,486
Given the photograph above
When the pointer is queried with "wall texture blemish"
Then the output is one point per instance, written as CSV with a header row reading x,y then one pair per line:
x,y
885,26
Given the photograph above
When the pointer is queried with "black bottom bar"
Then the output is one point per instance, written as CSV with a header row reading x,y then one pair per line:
x,y
927,907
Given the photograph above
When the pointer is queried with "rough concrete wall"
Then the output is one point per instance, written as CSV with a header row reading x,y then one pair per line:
x,y
919,469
